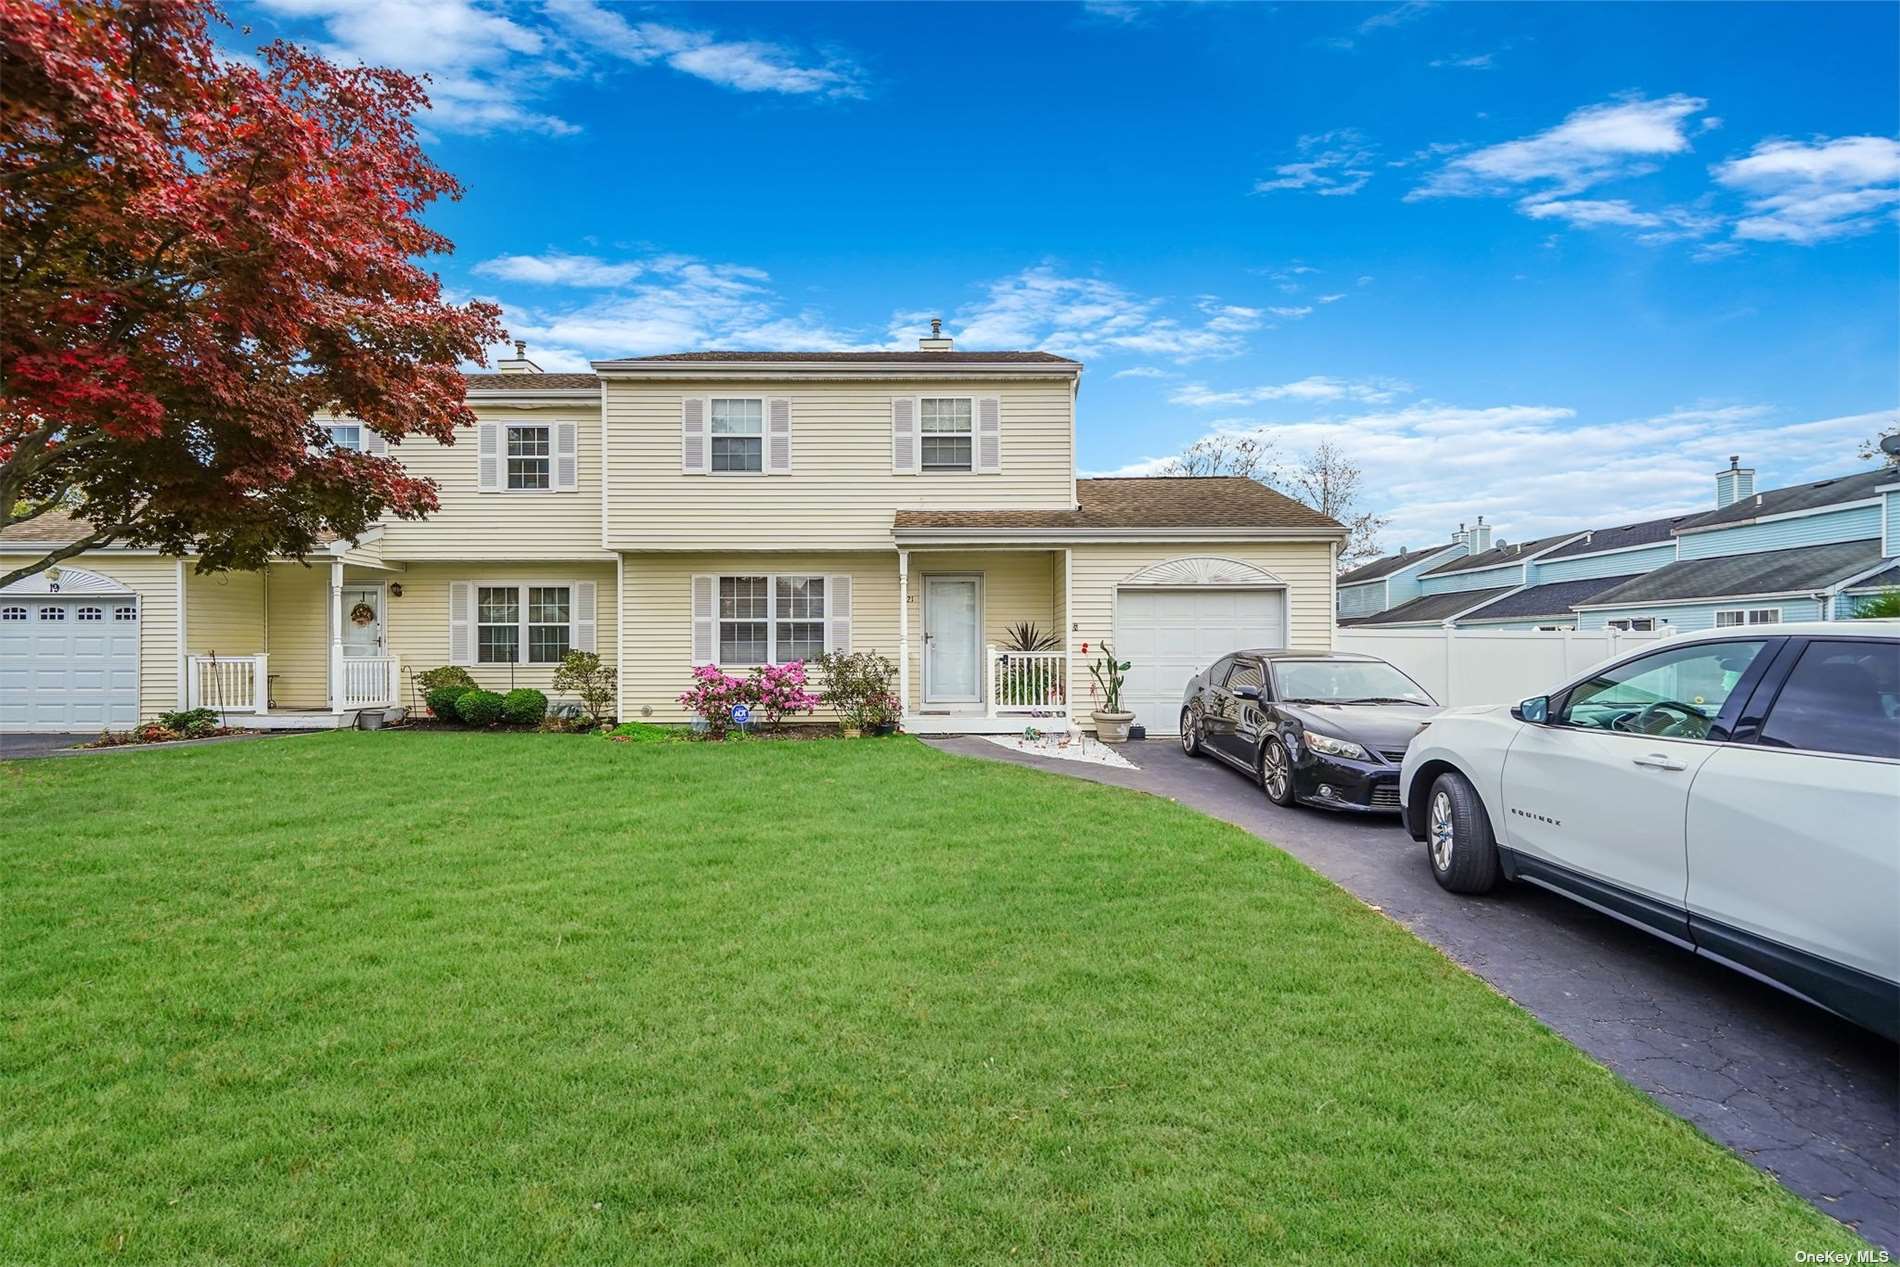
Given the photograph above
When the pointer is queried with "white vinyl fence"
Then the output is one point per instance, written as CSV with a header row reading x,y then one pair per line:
x,y
1490,666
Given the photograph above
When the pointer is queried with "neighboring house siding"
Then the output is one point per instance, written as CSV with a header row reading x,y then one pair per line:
x,y
1890,543
156,582
1402,587
841,491
1476,579
1689,617
1853,523
1362,600
658,597
1622,563
224,613
1100,570
501,525
417,624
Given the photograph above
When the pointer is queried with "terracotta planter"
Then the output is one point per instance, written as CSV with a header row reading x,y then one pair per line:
x,y
1112,727
851,732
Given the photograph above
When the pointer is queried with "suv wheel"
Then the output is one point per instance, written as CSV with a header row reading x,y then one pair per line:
x,y
1458,838
1190,733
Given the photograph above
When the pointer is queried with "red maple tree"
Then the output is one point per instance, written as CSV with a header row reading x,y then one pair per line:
x,y
203,261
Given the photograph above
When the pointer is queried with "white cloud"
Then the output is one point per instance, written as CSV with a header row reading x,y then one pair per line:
x,y
1117,12
1805,193
1410,11
1086,316
488,64
1598,143
559,269
1475,61
1143,371
1316,387
1291,314
1330,299
1536,469
1330,164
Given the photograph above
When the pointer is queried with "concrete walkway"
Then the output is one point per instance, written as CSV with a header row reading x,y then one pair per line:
x,y
1804,1095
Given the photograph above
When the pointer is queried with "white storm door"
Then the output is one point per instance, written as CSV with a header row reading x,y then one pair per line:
x,y
953,636
364,639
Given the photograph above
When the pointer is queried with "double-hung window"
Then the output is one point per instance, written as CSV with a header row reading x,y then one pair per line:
x,y
509,618
738,435
347,435
1637,624
1747,616
771,619
530,457
946,428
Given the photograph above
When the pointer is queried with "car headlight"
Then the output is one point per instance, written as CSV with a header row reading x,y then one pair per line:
x,y
1332,747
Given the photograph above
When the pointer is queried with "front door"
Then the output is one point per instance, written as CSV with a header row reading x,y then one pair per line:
x,y
362,637
953,635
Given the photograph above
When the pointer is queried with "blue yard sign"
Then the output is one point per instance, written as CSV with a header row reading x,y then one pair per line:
x,y
741,714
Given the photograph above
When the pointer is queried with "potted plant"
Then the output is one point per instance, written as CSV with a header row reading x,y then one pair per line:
x,y
1111,723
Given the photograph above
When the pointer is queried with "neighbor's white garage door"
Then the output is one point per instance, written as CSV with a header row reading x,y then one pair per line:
x,y
1172,634
68,663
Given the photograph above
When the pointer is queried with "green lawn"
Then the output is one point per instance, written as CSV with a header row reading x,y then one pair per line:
x,y
445,998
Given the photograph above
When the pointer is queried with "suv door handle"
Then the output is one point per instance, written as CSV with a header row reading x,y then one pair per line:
x,y
1657,761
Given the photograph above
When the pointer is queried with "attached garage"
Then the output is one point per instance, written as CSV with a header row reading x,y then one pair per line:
x,y
69,654
1172,622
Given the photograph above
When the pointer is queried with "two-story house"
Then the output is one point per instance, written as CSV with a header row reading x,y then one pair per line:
x,y
730,508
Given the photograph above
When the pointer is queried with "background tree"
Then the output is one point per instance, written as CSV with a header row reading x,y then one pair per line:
x,y
1870,450
201,259
1326,479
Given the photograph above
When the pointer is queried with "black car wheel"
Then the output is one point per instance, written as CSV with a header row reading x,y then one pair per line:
x,y
1276,772
1190,733
1458,838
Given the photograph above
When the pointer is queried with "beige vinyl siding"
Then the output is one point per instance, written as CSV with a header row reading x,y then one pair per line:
x,y
1018,585
841,492
298,625
416,626
224,613
155,580
659,625
1305,566
503,525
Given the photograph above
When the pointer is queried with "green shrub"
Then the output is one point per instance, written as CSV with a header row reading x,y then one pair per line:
x,y
583,675
441,701
479,708
448,675
190,723
524,706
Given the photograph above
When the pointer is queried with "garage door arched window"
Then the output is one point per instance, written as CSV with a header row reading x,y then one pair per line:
x,y
52,613
12,613
92,613
125,613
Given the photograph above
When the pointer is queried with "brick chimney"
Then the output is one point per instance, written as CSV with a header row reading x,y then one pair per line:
x,y
936,340
519,362
1735,483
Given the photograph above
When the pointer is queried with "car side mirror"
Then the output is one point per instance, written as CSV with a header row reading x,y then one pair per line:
x,y
1535,710
1246,692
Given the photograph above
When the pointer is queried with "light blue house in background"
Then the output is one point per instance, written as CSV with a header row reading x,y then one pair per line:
x,y
1806,552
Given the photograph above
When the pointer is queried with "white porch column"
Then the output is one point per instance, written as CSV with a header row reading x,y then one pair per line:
x,y
1068,634
336,635
903,631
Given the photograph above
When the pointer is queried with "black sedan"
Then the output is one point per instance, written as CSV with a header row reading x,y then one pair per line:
x,y
1316,727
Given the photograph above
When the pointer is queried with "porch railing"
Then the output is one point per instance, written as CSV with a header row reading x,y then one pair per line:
x,y
230,684
362,681
1028,683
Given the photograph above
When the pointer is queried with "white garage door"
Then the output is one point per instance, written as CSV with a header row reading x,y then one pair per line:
x,y
69,663
1169,635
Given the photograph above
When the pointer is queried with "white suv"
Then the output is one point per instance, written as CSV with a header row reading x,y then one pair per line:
x,y
1737,793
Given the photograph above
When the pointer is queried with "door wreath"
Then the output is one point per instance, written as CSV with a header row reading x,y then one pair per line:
x,y
363,614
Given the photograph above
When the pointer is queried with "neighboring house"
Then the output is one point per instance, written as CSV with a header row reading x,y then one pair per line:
x,y
1807,552
1385,583
719,507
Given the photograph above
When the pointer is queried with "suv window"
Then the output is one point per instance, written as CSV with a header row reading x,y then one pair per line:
x,y
1841,697
1247,673
1674,694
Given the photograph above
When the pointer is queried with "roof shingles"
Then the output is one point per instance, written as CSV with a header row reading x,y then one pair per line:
x,y
1379,569
1216,501
1742,575
1433,608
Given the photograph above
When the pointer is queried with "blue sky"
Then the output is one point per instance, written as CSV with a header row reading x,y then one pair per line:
x,y
1549,263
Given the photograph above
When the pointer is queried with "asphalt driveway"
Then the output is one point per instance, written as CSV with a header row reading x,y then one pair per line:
x,y
1806,1096
16,745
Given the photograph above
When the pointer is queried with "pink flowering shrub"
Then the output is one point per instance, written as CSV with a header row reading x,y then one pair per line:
x,y
772,693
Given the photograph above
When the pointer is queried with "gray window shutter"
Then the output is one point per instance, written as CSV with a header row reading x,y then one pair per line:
x,y
584,621
989,434
903,435
778,438
488,457
566,457
838,613
705,623
373,443
693,445
461,622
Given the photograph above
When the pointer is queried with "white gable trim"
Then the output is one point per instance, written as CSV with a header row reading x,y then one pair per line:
x,y
60,579
1202,570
